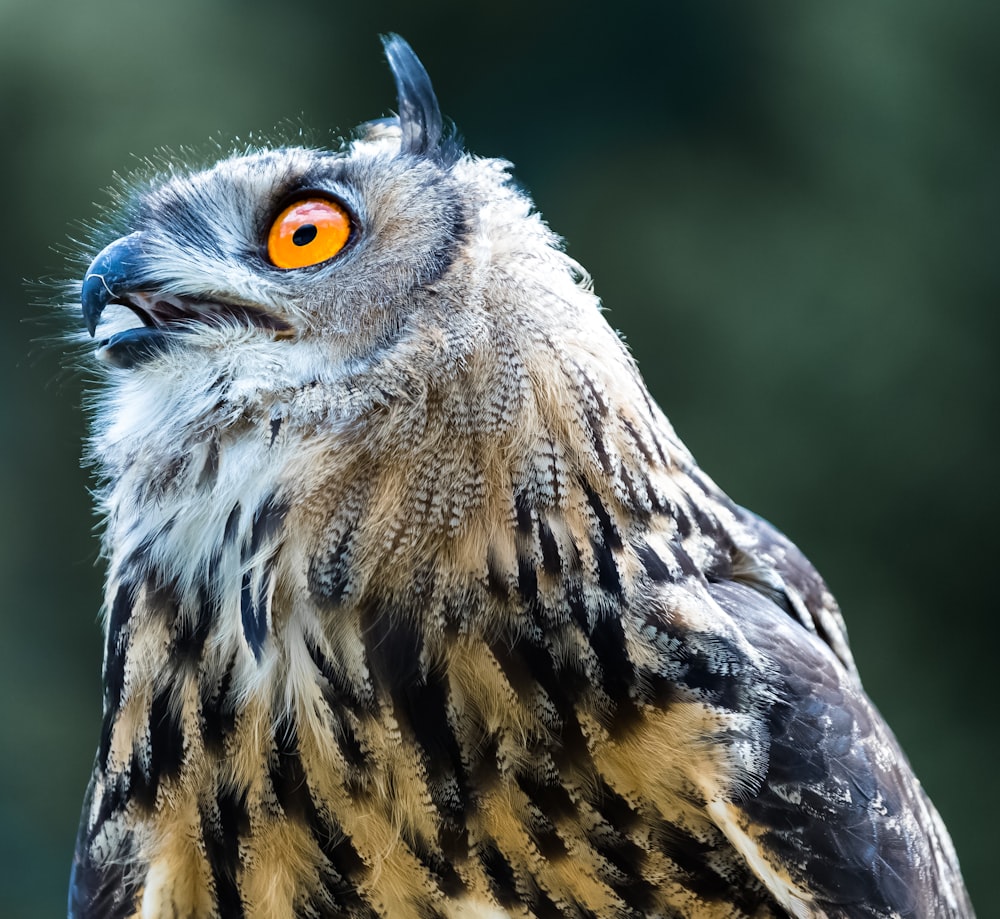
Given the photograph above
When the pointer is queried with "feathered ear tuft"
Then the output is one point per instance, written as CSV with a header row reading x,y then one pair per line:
x,y
419,114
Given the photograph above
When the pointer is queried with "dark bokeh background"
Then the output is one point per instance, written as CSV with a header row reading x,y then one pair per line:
x,y
791,211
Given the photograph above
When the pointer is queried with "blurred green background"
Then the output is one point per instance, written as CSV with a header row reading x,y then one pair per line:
x,y
790,210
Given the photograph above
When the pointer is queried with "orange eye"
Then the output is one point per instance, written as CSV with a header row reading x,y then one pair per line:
x,y
308,232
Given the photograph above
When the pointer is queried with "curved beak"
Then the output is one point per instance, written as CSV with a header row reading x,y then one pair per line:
x,y
112,274
120,274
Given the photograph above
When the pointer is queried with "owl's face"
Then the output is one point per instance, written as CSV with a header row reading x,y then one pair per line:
x,y
292,245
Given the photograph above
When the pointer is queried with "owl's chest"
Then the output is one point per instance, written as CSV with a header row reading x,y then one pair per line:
x,y
369,756
473,777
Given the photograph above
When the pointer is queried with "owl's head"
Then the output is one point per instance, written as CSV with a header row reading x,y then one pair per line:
x,y
396,271
278,247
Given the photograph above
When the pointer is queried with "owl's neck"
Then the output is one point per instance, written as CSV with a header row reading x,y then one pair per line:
x,y
504,479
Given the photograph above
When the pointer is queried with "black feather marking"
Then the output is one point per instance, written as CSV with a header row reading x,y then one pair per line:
x,y
254,618
607,638
638,440
232,525
218,711
629,860
695,858
527,665
656,500
551,562
527,580
420,703
341,694
449,881
595,410
542,907
419,113
655,567
607,569
636,505
582,614
484,773
393,644
107,729
142,787
114,668
550,797
652,688
710,527
454,841
710,665
609,532
615,809
425,708
688,567
635,891
193,630
522,512
610,838
347,740
227,891
500,876
166,739
221,833
161,599
288,778
266,522
345,870
329,572
684,526
596,396
550,844
595,425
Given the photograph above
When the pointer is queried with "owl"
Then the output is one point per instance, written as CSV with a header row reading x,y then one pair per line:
x,y
417,607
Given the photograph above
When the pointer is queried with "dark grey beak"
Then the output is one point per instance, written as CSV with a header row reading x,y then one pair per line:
x,y
114,273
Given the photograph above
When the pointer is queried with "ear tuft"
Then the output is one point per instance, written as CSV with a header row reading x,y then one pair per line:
x,y
419,114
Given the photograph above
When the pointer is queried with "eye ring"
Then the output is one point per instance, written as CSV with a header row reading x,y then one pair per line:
x,y
308,231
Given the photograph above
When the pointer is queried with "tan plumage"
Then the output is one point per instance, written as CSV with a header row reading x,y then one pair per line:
x,y
418,607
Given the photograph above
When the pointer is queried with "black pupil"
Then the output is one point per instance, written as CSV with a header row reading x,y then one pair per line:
x,y
305,234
